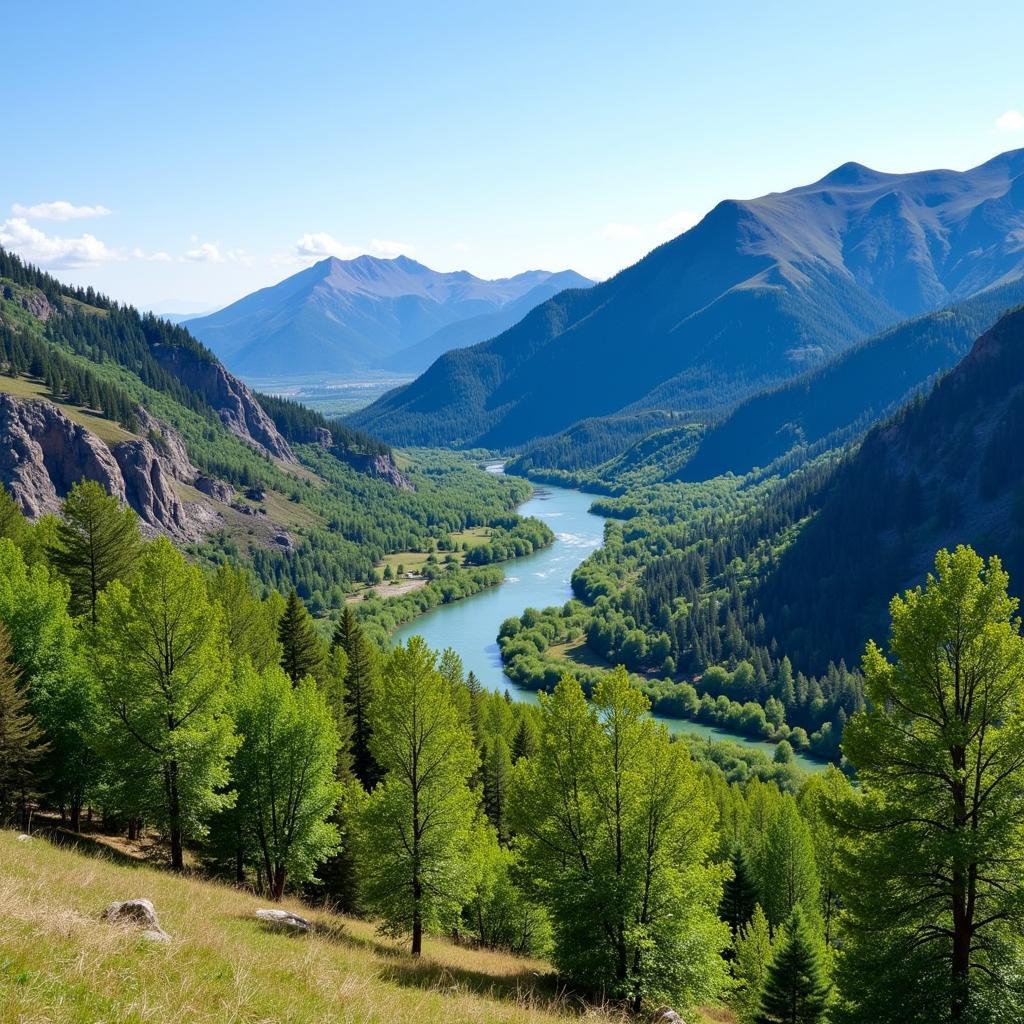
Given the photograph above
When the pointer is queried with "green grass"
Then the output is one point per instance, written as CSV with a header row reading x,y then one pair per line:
x,y
60,963
106,430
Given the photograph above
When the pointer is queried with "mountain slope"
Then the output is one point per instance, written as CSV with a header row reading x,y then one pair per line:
x,y
416,358
946,470
341,316
827,406
758,292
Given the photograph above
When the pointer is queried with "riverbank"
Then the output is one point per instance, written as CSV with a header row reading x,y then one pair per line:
x,y
541,580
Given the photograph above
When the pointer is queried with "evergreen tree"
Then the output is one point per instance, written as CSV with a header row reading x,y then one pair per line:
x,y
21,739
795,989
161,662
739,894
932,870
417,826
284,773
360,684
97,541
525,742
617,829
497,777
302,652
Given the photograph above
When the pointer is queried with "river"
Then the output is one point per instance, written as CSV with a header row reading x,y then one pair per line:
x,y
470,626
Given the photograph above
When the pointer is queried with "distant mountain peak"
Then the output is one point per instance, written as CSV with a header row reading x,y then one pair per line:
x,y
852,173
345,316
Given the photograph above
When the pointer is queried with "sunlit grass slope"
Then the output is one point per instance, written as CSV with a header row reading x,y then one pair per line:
x,y
59,962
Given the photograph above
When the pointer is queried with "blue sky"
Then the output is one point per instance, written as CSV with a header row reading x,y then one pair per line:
x,y
204,150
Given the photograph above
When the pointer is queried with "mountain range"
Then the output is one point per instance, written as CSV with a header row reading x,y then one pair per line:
x,y
757,293
340,317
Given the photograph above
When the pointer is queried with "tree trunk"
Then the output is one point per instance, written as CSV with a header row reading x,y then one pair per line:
x,y
277,890
76,815
174,817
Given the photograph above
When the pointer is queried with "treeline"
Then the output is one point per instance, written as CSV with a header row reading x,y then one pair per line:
x,y
301,425
390,784
26,275
67,380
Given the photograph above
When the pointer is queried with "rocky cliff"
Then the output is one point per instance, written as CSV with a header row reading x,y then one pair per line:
x,y
234,402
43,454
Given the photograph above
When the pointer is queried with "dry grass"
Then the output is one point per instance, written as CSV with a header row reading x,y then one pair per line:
x,y
106,430
59,962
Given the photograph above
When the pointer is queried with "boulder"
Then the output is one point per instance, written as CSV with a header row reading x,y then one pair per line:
x,y
23,838
666,1015
214,488
140,913
284,921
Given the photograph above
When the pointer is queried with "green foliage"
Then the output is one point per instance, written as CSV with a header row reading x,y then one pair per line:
x,y
21,739
284,772
161,663
250,625
418,822
302,651
617,830
754,952
931,877
739,894
786,871
795,989
362,675
97,541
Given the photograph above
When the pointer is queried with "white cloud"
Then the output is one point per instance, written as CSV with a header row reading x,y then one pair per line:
x,y
210,252
389,250
318,245
462,247
1011,121
151,257
59,209
53,251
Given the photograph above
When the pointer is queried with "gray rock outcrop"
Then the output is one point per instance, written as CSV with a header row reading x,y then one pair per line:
x,y
381,467
234,402
43,454
284,921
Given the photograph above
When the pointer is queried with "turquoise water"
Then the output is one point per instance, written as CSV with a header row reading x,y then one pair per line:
x,y
540,580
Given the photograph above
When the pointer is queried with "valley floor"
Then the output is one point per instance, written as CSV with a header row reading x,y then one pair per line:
x,y
60,963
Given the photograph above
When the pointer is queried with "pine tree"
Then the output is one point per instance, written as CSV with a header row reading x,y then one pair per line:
x,y
739,894
301,650
13,523
497,777
360,684
795,989
524,743
97,541
21,739
418,822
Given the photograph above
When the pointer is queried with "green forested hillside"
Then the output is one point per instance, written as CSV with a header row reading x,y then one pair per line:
x,y
337,496
946,470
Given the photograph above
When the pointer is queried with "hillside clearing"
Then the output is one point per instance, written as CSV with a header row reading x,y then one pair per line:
x,y
59,962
